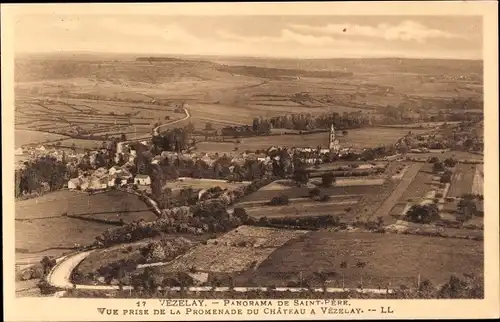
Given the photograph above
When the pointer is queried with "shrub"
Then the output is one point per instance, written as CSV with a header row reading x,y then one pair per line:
x,y
423,214
315,192
45,287
328,179
279,200
324,198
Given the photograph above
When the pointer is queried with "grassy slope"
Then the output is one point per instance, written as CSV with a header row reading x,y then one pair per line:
x,y
397,259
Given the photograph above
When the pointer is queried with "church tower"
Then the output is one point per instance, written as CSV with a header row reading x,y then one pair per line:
x,y
333,143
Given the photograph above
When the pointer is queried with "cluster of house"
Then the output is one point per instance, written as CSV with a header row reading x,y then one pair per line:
x,y
102,178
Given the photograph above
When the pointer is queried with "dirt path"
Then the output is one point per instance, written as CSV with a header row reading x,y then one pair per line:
x,y
384,210
119,147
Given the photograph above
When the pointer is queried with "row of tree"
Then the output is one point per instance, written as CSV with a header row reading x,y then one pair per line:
x,y
42,173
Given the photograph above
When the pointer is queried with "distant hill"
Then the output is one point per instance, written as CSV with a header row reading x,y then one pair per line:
x,y
127,67
154,59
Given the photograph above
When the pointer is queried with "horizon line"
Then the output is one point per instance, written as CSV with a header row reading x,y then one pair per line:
x,y
237,56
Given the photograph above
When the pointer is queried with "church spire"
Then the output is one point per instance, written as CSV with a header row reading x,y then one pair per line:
x,y
332,138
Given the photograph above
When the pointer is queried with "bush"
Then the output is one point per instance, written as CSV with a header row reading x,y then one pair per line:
x,y
328,179
423,214
324,198
450,162
446,177
315,192
46,288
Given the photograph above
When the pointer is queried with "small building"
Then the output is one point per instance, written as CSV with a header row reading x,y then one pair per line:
x,y
75,183
100,172
142,180
19,151
324,151
85,184
125,174
120,179
114,170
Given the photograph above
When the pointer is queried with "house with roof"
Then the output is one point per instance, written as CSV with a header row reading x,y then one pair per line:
x,y
114,170
142,180
156,160
75,183
19,151
124,174
100,172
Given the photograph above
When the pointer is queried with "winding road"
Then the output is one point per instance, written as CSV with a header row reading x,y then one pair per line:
x,y
119,147
60,277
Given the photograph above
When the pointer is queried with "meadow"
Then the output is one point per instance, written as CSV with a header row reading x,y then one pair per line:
x,y
62,92
252,244
462,180
28,137
390,259
41,224
356,138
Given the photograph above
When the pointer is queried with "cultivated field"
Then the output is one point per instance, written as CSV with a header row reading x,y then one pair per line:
x,y
423,125
275,189
399,191
41,224
334,206
251,244
420,184
457,155
26,137
182,183
44,237
462,180
82,117
353,181
356,138
390,260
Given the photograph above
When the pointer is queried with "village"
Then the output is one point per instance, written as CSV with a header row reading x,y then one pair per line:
x,y
96,178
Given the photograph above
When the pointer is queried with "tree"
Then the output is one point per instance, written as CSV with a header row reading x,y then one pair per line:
x,y
190,127
438,167
279,200
315,192
241,213
423,214
327,179
47,264
450,162
433,160
426,290
300,176
467,287
466,208
446,177
45,287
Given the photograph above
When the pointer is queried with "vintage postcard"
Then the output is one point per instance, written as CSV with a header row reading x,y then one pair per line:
x,y
249,161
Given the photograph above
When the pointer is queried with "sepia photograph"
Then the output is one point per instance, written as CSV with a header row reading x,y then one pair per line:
x,y
248,158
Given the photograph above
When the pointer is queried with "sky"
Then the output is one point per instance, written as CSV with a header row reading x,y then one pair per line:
x,y
455,37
